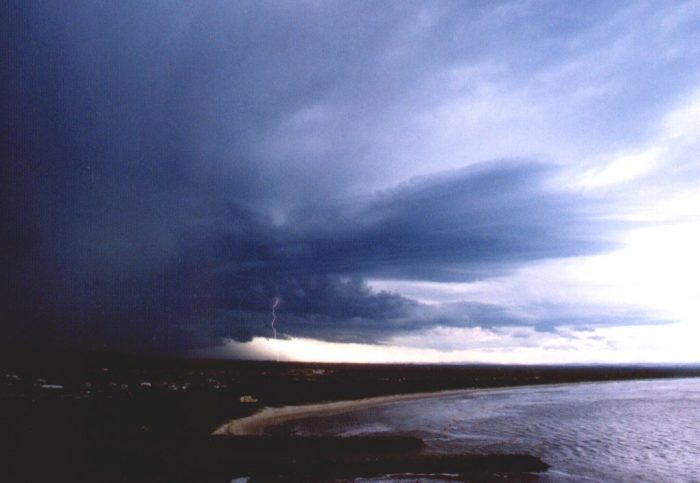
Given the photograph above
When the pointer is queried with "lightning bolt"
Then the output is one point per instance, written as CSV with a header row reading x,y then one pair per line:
x,y
275,303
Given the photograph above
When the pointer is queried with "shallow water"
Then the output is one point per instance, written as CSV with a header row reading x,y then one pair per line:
x,y
607,432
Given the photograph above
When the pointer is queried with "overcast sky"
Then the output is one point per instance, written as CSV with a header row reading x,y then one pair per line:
x,y
412,181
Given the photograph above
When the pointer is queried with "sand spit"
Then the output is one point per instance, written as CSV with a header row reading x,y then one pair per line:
x,y
256,423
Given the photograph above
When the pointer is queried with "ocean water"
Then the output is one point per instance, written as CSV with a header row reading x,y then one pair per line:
x,y
591,432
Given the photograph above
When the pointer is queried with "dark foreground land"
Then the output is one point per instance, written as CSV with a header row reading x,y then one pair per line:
x,y
116,418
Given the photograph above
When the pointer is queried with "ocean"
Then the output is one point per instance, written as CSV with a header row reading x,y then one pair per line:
x,y
646,430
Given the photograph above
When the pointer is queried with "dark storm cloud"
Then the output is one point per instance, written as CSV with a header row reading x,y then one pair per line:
x,y
151,199
454,225
219,274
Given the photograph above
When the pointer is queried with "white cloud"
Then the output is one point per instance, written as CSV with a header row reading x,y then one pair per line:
x,y
674,343
655,276
676,139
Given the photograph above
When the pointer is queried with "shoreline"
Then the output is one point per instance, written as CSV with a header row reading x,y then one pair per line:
x,y
255,424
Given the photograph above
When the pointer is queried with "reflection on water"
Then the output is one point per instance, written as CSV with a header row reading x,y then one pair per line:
x,y
615,431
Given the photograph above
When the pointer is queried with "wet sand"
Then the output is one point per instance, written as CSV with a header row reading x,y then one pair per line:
x,y
256,424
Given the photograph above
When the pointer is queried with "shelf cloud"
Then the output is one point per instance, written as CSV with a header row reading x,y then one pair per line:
x,y
170,169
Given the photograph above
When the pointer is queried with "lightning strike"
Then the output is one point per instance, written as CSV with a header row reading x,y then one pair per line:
x,y
275,303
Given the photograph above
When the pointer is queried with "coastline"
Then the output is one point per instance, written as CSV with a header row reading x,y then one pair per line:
x,y
255,424
162,430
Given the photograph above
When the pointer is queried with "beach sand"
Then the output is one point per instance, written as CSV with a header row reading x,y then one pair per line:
x,y
271,416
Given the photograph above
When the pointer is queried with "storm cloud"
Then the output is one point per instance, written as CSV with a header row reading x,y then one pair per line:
x,y
169,169
176,281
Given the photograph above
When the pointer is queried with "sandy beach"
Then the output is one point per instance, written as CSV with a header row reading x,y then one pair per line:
x,y
255,424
